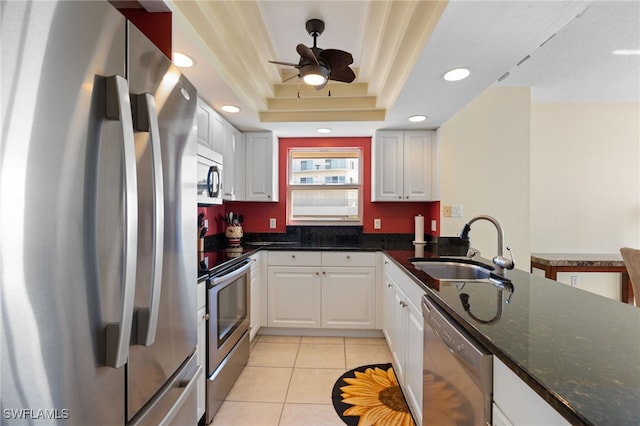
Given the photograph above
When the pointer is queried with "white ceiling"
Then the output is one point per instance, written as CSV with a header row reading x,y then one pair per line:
x,y
489,37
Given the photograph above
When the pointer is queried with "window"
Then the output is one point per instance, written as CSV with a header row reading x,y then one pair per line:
x,y
325,186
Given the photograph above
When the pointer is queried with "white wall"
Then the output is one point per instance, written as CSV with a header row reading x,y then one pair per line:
x,y
485,168
585,183
585,177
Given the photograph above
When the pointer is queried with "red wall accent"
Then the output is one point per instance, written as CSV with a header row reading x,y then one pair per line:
x,y
214,215
155,25
395,217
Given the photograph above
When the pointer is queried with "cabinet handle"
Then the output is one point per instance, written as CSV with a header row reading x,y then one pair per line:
x,y
293,256
317,273
399,197
348,257
404,305
324,273
389,285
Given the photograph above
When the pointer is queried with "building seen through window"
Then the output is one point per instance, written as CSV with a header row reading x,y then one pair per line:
x,y
324,186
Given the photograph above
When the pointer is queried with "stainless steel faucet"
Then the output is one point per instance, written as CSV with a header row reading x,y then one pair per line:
x,y
500,261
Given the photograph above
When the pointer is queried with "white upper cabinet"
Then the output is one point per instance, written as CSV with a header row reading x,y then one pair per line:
x,y
233,172
261,166
211,127
216,133
405,166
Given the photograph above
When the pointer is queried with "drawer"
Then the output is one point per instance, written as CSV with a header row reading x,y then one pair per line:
x,y
348,258
294,258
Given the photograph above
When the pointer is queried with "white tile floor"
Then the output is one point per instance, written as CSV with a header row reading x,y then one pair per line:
x,y
288,380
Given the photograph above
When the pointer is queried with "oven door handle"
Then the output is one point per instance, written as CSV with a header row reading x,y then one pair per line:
x,y
231,276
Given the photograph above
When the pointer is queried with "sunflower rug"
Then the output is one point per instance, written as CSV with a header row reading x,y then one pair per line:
x,y
370,395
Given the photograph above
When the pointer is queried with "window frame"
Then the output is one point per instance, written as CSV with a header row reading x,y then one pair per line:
x,y
291,187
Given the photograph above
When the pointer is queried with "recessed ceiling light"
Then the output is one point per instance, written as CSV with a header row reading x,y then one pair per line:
x,y
230,108
626,52
182,60
417,118
457,74
323,130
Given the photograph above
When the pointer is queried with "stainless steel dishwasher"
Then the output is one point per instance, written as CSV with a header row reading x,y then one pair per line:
x,y
457,372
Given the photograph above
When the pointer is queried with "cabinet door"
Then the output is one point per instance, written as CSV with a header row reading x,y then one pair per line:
x,y
518,403
261,167
418,168
233,171
255,295
398,336
203,124
387,167
388,299
413,360
294,296
348,297
218,132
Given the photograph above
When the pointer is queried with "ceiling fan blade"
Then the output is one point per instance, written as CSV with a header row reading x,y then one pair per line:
x,y
306,53
345,75
336,58
289,78
284,63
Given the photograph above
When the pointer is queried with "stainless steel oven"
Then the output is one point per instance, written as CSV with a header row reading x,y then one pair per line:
x,y
227,331
457,372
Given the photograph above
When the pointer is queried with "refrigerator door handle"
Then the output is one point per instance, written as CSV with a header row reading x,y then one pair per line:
x,y
118,107
146,120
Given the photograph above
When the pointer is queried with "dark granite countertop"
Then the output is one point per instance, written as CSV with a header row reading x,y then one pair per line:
x,y
578,350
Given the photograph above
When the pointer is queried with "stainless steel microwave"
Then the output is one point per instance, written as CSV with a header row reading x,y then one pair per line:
x,y
209,176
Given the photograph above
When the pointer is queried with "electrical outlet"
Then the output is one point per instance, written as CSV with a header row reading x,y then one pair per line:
x,y
574,281
446,211
434,225
456,211
272,223
377,224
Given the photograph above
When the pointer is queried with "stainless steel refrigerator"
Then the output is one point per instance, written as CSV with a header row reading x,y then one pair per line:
x,y
97,221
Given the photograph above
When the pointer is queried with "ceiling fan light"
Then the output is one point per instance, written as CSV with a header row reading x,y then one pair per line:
x,y
314,79
314,75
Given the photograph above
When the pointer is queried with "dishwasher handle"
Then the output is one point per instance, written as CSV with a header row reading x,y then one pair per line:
x,y
473,357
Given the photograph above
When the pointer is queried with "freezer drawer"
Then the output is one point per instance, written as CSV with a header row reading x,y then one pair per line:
x,y
175,404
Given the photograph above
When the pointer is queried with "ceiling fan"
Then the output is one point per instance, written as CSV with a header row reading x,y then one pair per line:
x,y
317,66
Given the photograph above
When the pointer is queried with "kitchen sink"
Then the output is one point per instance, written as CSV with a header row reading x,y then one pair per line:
x,y
448,269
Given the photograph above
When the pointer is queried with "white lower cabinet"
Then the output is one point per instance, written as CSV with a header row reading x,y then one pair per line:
x,y
348,297
257,281
201,347
403,328
321,290
515,403
294,295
